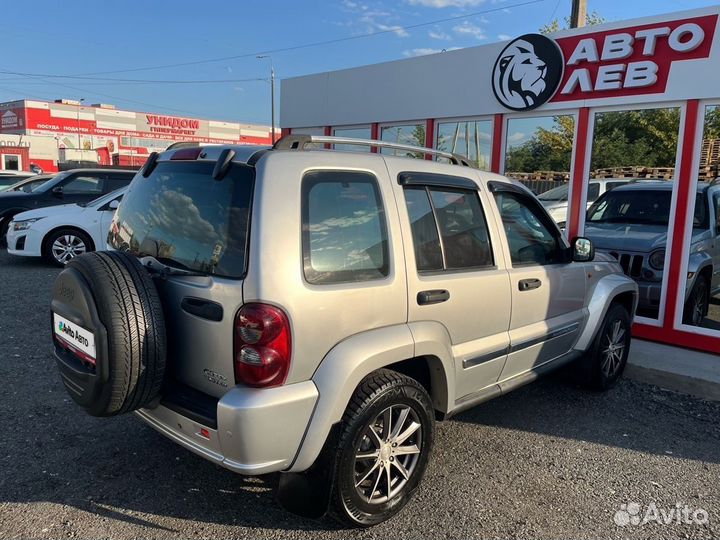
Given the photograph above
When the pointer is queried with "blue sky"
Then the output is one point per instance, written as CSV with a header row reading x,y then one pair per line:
x,y
91,38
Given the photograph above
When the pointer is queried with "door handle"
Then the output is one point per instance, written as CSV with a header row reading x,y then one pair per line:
x,y
434,296
528,284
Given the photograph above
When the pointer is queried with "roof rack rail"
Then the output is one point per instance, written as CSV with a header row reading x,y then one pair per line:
x,y
299,142
183,144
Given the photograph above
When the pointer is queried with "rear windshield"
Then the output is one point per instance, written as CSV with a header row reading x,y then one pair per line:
x,y
184,218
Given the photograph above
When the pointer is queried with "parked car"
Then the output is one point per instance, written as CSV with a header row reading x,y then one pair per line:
x,y
76,186
314,312
555,200
61,233
30,183
8,178
631,224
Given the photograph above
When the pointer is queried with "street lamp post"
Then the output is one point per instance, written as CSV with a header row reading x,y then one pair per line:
x,y
80,102
272,94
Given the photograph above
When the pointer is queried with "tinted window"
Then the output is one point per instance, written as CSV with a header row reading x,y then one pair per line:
x,y
118,180
463,240
82,185
593,191
462,225
344,231
185,218
530,236
426,242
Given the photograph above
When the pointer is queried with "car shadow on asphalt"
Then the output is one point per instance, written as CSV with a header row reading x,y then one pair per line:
x,y
633,416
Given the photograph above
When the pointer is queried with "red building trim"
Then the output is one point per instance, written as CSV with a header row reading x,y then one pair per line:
x,y
684,197
578,174
328,133
429,135
374,134
285,131
497,141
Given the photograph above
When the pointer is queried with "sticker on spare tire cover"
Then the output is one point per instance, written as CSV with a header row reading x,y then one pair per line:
x,y
81,340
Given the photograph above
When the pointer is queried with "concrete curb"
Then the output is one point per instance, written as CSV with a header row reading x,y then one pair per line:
x,y
673,368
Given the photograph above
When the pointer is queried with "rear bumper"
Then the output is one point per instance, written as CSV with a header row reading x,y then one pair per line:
x,y
258,430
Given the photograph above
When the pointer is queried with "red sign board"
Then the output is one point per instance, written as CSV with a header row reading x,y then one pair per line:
x,y
630,61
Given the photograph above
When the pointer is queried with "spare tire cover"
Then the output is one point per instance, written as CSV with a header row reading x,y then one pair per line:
x,y
108,333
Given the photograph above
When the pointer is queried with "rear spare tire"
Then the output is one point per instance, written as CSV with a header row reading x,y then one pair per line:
x,y
108,333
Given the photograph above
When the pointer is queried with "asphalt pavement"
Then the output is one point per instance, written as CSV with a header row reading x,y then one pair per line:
x,y
547,461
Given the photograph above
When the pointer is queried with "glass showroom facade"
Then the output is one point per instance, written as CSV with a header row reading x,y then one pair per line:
x,y
625,152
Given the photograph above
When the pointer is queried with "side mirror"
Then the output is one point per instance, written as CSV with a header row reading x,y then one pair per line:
x,y
57,191
113,205
582,250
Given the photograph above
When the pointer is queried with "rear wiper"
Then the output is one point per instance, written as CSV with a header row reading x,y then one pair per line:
x,y
159,267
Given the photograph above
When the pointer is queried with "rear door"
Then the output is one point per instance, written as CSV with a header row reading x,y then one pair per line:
x,y
456,274
548,291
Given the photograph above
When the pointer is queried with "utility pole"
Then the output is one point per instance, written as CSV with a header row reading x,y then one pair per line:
x,y
578,13
78,127
272,94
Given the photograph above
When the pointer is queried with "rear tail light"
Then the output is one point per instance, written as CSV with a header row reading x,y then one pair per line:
x,y
262,345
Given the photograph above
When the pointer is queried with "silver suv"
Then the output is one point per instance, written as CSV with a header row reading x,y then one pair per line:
x,y
631,224
314,312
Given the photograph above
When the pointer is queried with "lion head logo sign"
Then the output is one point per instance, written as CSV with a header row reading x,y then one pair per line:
x,y
527,72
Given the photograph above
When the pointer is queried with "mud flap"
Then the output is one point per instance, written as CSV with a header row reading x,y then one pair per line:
x,y
307,494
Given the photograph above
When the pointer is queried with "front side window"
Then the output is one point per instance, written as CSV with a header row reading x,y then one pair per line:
x,y
448,228
530,237
344,231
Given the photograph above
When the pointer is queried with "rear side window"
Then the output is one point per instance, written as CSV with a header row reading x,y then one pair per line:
x,y
593,191
449,229
84,185
344,234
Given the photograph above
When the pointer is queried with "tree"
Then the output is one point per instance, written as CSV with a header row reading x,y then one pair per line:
x,y
554,25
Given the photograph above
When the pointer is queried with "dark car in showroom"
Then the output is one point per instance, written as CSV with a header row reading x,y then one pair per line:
x,y
631,224
76,186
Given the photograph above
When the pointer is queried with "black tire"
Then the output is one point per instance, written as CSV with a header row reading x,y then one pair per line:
x,y
4,225
697,304
378,392
84,245
603,369
132,349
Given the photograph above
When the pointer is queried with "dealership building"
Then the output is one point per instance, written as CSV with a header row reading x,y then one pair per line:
x,y
47,134
494,103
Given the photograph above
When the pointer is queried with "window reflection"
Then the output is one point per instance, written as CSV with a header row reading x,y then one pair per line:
x,y
472,139
352,133
412,134
701,300
632,167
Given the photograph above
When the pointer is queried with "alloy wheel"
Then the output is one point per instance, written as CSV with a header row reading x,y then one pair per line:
x,y
67,247
388,454
614,349
698,305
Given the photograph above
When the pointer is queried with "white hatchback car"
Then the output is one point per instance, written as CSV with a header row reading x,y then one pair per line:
x,y
60,233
